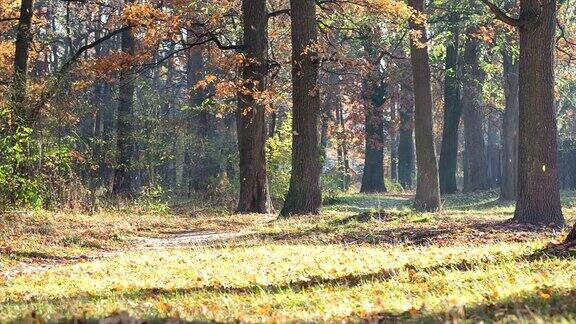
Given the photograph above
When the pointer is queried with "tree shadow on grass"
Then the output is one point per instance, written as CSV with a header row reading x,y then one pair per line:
x,y
300,284
442,232
361,203
36,255
553,303
531,306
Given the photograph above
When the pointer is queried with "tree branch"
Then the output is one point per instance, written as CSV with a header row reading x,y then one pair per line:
x,y
52,86
501,15
278,13
8,19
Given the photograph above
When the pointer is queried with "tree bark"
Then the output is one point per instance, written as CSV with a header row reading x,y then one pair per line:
x,y
202,126
538,193
571,238
373,175
427,187
251,123
452,114
393,132
343,165
406,146
493,149
304,195
476,166
122,186
331,104
19,87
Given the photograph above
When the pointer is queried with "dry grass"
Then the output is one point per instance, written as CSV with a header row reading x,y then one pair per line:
x,y
367,259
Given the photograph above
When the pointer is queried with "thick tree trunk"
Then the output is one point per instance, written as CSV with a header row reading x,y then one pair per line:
x,y
476,166
427,187
251,123
122,186
538,193
571,238
406,146
452,113
19,87
304,195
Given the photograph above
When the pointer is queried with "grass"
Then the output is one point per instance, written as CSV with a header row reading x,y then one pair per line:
x,y
367,258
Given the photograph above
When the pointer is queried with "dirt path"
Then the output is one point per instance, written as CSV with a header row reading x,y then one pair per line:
x,y
170,240
185,238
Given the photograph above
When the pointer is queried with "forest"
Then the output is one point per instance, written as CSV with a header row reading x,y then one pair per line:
x,y
287,161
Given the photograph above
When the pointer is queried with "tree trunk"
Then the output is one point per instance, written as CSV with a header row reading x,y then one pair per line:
x,y
122,186
476,166
393,131
493,150
304,195
373,175
331,105
571,238
452,113
538,193
510,121
427,187
251,123
343,165
201,123
406,146
23,40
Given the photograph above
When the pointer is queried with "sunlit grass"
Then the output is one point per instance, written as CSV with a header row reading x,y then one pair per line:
x,y
378,261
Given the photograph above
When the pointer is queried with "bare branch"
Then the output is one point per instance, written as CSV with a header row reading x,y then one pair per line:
x,y
278,13
501,15
8,19
52,86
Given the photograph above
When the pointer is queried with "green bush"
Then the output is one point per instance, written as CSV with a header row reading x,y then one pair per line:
x,y
279,160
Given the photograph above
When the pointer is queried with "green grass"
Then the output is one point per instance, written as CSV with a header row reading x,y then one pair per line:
x,y
367,258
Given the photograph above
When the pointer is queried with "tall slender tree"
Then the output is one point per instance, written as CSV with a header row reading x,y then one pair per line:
x,y
509,180
475,166
393,133
23,41
427,187
452,114
374,91
122,186
538,197
304,195
406,144
251,123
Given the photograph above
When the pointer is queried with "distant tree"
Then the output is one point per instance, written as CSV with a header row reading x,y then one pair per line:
x,y
427,187
393,134
475,166
374,92
122,186
538,197
452,112
509,179
254,196
201,125
304,195
23,41
406,144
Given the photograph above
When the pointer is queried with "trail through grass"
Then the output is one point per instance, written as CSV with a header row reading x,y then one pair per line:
x,y
367,258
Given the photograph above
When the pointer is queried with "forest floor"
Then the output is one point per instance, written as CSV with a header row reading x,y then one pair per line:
x,y
367,258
